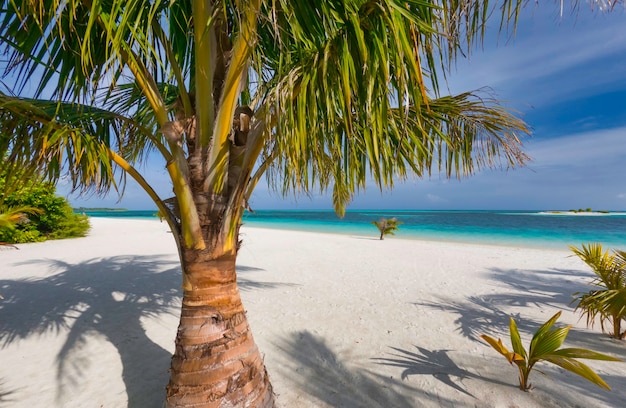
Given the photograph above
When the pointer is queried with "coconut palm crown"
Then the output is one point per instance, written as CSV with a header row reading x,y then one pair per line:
x,y
321,94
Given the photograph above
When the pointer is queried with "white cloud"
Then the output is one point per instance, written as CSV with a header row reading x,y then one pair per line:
x,y
595,148
537,66
435,199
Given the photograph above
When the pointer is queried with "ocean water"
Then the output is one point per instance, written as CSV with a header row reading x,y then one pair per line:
x,y
512,228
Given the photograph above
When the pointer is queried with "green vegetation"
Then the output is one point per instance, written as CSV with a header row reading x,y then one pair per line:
x,y
49,216
387,226
544,346
11,217
608,302
588,210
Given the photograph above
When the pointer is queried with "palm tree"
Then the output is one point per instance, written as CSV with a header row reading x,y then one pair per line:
x,y
387,226
608,301
313,94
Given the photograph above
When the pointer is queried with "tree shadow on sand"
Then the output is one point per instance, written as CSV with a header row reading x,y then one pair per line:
x,y
107,297
315,369
554,287
436,363
104,296
246,284
5,395
491,313
480,314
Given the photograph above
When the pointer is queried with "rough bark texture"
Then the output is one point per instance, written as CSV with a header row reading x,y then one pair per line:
x,y
216,362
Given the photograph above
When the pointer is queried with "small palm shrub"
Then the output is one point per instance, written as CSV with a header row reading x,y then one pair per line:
x,y
544,346
387,226
608,301
11,217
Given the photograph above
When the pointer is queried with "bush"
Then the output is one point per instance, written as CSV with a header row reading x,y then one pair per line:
x,y
57,220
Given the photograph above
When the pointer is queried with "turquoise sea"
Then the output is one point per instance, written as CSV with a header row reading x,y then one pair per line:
x,y
518,228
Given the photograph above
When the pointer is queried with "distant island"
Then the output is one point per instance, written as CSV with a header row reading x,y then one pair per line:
x,y
85,209
589,210
581,211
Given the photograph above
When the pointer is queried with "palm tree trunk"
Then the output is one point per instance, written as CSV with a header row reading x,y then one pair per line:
x,y
617,327
216,362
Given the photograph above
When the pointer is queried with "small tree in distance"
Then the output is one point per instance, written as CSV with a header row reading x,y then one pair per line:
x,y
387,226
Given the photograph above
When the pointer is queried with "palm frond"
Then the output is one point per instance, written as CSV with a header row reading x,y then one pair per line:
x,y
349,92
57,138
36,37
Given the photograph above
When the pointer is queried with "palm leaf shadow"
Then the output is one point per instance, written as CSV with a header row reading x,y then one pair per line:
x,y
246,284
479,314
315,369
103,296
5,395
436,363
108,297
554,287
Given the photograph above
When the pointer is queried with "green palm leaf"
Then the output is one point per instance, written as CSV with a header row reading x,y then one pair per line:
x,y
547,343
58,137
579,368
583,353
516,340
545,331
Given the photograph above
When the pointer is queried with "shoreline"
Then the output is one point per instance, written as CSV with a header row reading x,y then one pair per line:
x,y
544,231
442,240
342,321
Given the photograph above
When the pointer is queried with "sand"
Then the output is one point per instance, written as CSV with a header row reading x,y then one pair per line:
x,y
342,321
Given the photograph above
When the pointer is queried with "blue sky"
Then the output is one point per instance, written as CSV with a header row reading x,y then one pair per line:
x,y
567,78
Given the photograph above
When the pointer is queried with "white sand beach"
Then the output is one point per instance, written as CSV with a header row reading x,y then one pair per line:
x,y
343,321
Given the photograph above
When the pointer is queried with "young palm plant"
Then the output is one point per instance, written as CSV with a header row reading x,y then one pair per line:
x,y
10,217
608,302
544,346
387,226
